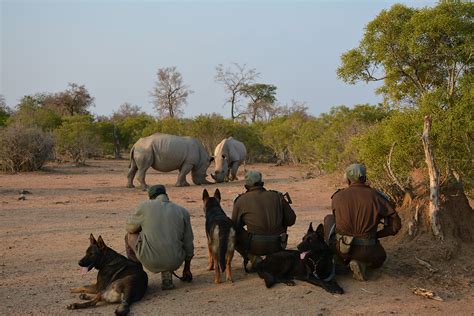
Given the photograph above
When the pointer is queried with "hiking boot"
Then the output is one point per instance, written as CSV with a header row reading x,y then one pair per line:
x,y
358,270
166,281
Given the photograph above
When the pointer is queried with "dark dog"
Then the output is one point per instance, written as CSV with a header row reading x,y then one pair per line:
x,y
119,280
220,236
312,262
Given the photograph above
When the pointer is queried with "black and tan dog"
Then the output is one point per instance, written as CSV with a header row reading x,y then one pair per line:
x,y
312,262
220,236
119,280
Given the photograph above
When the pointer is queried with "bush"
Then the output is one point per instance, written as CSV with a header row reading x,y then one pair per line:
x,y
77,138
24,148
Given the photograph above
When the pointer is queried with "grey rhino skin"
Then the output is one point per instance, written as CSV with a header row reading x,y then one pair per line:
x,y
166,153
228,156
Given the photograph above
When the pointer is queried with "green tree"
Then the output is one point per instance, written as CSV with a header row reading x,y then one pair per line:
x,y
4,111
75,100
30,112
262,100
77,138
234,78
424,57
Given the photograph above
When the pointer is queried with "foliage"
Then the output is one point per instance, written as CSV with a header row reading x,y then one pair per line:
x,y
4,111
24,148
234,78
30,112
424,57
210,130
170,93
77,138
131,128
173,126
75,100
262,100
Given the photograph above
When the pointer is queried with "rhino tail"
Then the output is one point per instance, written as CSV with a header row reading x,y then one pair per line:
x,y
132,160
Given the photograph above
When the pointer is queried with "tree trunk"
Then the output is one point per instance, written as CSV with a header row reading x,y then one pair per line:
x,y
433,172
116,144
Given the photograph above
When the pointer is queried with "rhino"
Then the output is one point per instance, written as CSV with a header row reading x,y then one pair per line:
x,y
228,155
166,153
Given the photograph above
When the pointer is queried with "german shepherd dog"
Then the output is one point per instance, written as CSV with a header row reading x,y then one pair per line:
x,y
312,262
120,280
220,234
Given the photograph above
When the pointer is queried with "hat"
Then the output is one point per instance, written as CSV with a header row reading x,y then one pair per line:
x,y
354,172
252,177
156,190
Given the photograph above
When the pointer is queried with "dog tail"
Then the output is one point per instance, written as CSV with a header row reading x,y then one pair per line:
x,y
223,237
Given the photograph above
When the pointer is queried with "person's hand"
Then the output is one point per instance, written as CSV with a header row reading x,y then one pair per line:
x,y
187,275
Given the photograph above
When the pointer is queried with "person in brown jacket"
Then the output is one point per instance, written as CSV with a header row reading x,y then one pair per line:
x,y
266,215
352,229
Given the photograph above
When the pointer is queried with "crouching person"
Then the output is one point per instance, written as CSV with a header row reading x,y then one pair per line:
x,y
160,237
265,214
352,230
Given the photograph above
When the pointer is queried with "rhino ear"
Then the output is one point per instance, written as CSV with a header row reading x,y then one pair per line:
x,y
205,195
217,194
211,159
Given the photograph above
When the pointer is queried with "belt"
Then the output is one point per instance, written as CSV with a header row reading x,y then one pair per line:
x,y
256,237
364,241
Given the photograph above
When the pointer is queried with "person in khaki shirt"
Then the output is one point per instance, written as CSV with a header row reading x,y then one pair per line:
x,y
160,236
353,228
266,214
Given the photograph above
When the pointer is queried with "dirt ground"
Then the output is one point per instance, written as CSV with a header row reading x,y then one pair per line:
x,y
44,236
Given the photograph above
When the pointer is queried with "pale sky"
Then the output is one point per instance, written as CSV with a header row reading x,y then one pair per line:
x,y
114,48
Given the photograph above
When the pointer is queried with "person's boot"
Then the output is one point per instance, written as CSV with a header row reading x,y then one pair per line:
x,y
167,281
358,270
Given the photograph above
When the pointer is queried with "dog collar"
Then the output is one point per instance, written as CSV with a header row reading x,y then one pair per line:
x,y
315,273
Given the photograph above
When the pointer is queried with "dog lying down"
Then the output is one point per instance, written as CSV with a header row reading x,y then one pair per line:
x,y
120,280
312,262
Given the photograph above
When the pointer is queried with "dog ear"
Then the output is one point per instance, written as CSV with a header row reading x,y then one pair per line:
x,y
320,231
310,229
100,243
217,194
205,195
92,239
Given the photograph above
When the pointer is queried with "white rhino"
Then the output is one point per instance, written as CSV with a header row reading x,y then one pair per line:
x,y
166,153
228,155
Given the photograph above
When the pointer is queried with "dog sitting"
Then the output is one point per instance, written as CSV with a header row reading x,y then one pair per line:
x,y
312,262
119,280
220,234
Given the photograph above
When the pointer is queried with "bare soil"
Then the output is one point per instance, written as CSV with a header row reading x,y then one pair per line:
x,y
44,236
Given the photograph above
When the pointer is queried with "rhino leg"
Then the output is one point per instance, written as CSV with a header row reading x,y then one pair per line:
x,y
131,174
233,171
185,169
141,178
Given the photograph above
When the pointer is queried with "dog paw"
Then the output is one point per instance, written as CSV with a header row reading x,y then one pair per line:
x,y
71,306
83,296
290,283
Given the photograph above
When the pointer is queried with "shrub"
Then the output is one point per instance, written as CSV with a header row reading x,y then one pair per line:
x,y
77,138
24,148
